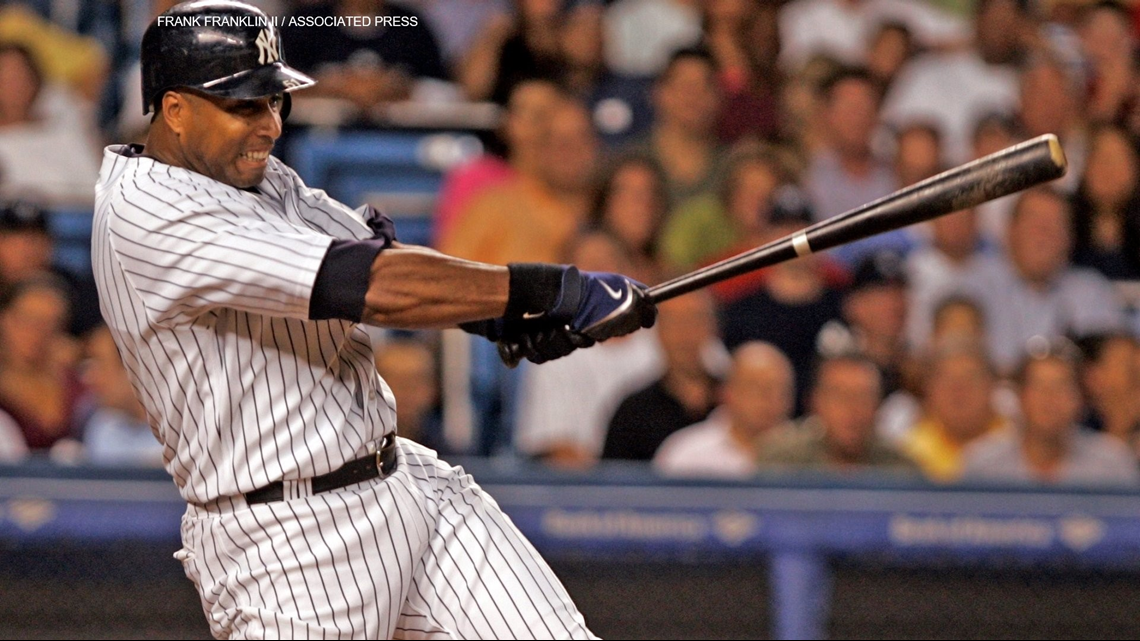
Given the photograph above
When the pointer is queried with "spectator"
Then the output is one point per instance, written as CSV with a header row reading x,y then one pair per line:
x,y
740,36
1110,377
840,433
991,134
874,319
39,387
844,173
1106,207
793,303
565,405
456,23
1039,292
365,65
77,64
512,49
958,318
891,47
522,132
955,88
26,249
686,394
618,104
1108,41
842,29
757,400
631,206
117,432
641,35
686,101
532,218
409,368
918,153
1050,447
954,263
47,141
958,409
711,225
1051,101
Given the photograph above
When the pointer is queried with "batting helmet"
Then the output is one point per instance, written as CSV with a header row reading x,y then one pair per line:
x,y
220,47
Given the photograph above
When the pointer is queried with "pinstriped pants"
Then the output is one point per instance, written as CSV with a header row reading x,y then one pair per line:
x,y
422,554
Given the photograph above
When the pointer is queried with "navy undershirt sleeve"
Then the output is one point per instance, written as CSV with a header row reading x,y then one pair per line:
x,y
342,280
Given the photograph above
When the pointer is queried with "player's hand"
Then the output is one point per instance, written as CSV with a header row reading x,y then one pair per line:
x,y
539,341
609,305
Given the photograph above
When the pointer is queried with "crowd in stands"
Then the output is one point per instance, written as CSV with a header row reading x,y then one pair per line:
x,y
651,137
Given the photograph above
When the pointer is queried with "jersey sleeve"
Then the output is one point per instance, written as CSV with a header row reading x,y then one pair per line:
x,y
184,258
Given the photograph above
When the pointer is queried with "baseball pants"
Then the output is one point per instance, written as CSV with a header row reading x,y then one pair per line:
x,y
421,554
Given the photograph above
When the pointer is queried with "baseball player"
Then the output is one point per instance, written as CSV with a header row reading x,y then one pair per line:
x,y
235,294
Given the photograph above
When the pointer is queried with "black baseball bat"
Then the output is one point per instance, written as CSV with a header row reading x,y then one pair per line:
x,y
999,174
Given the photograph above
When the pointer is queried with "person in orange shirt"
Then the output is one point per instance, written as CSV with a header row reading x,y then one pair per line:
x,y
532,218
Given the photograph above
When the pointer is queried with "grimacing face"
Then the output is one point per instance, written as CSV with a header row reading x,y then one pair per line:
x,y
226,139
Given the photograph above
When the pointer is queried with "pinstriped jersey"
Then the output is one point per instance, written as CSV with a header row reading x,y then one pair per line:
x,y
206,290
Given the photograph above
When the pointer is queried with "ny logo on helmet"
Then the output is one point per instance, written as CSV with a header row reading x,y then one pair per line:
x,y
267,47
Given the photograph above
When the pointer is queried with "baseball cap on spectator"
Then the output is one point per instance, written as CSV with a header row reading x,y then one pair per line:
x,y
878,270
22,216
790,207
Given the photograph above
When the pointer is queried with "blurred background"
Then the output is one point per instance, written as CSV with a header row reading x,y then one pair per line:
x,y
930,433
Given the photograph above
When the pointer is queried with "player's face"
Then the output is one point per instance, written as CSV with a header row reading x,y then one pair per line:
x,y
229,140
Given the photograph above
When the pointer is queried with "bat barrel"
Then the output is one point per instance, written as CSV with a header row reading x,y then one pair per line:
x,y
1000,174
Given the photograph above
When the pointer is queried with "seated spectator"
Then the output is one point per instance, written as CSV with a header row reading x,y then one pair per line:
x,y
795,300
117,432
958,318
686,330
26,248
889,50
631,206
1106,207
1110,378
842,29
1108,41
618,104
1050,447
1039,292
686,103
844,173
954,88
48,148
757,400
77,63
39,386
457,23
532,218
566,404
953,264
715,224
512,49
918,153
409,368
365,65
739,35
13,449
527,114
1051,97
957,409
874,319
840,432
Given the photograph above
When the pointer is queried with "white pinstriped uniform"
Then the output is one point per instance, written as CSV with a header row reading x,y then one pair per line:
x,y
206,290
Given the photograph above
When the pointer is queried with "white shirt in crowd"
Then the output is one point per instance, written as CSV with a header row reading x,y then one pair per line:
x,y
1093,459
842,29
705,450
932,277
572,399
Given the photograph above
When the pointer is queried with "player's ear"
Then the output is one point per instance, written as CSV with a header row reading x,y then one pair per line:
x,y
174,111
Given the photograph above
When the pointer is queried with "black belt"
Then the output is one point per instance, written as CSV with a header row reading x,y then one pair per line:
x,y
381,464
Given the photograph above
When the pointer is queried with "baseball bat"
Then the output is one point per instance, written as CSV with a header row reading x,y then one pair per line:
x,y
999,174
